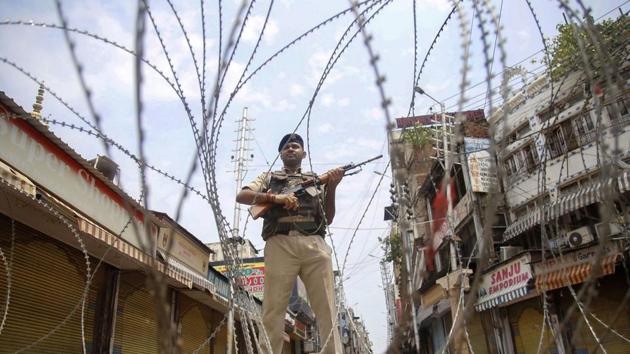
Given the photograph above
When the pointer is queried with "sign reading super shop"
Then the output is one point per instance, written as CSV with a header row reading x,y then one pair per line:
x,y
253,276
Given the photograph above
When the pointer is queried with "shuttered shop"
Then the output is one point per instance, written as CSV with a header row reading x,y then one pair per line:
x,y
196,325
136,329
47,283
607,308
526,321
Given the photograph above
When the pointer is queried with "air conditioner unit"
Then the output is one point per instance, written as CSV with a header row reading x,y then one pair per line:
x,y
507,252
579,237
615,229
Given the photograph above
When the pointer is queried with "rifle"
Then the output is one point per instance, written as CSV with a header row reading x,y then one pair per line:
x,y
258,210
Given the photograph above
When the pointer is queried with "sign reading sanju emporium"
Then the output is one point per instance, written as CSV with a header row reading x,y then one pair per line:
x,y
504,283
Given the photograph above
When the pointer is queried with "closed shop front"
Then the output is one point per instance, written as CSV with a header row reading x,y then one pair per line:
x,y
195,325
526,324
47,281
607,308
136,329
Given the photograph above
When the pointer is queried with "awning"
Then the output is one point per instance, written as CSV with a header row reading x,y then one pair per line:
x,y
113,241
174,270
523,224
511,295
181,270
568,203
578,199
574,274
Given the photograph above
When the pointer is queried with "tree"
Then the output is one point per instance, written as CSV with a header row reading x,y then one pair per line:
x,y
418,135
566,55
392,247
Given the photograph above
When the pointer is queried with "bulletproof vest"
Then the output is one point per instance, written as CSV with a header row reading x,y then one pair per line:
x,y
309,205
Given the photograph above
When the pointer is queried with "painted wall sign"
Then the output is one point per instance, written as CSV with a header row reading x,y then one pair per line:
x,y
49,166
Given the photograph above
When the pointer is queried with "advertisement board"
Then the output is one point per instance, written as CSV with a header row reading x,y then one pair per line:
x,y
253,275
482,175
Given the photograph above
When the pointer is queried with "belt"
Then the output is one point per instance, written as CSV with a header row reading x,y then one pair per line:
x,y
299,228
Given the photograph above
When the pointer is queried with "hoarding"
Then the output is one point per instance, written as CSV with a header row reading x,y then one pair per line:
x,y
253,277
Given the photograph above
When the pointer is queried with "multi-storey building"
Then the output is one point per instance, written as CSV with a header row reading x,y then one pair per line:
x,y
563,157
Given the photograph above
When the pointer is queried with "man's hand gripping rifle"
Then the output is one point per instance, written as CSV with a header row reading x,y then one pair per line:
x,y
257,210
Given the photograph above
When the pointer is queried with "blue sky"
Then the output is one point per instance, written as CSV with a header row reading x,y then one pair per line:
x,y
347,123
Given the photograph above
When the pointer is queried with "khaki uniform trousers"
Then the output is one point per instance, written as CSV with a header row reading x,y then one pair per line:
x,y
286,257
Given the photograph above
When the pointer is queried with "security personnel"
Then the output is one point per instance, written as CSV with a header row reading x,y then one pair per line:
x,y
294,231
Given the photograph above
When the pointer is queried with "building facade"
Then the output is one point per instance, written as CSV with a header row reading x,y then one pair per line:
x,y
85,267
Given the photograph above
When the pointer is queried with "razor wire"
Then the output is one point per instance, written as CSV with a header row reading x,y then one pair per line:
x,y
207,145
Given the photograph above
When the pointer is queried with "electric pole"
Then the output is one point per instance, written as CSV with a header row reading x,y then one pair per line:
x,y
240,169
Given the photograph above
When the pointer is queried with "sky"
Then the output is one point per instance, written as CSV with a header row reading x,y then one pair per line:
x,y
346,124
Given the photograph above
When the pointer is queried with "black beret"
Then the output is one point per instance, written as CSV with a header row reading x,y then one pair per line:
x,y
289,138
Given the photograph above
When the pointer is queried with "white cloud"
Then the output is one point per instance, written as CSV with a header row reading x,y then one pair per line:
x,y
328,100
343,102
325,128
254,26
296,90
441,5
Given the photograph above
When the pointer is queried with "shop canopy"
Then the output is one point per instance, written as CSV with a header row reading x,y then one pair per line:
x,y
576,267
568,203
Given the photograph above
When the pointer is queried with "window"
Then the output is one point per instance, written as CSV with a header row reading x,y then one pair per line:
x,y
531,157
523,160
623,110
585,128
561,139
523,129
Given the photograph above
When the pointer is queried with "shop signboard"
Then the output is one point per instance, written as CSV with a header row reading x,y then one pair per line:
x,y
475,144
183,249
48,165
253,275
505,283
569,259
575,267
482,175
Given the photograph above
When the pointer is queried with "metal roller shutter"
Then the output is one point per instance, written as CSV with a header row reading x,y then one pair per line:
x,y
195,325
47,282
136,329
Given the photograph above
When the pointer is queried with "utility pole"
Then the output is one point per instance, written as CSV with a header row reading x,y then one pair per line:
x,y
391,316
240,168
457,277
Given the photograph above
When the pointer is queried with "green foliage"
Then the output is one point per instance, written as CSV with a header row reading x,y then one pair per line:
x,y
417,135
393,248
566,55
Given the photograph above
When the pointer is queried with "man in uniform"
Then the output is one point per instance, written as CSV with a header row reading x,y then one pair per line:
x,y
294,230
